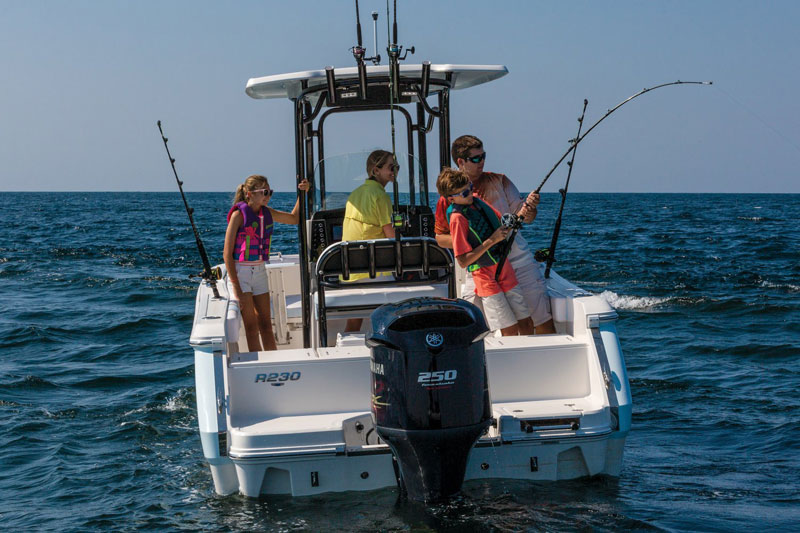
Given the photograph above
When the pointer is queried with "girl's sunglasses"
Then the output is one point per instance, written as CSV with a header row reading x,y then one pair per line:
x,y
393,166
265,192
465,193
478,158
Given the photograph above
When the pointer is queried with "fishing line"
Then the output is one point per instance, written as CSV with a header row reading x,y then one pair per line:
x,y
757,117
513,221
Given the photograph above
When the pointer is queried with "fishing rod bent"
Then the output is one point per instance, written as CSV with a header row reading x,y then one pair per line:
x,y
208,274
577,140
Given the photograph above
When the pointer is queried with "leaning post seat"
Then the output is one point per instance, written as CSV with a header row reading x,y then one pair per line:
x,y
421,256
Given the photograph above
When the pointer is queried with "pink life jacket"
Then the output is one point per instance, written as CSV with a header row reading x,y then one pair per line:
x,y
254,238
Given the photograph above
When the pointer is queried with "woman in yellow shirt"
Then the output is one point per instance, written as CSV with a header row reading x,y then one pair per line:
x,y
368,214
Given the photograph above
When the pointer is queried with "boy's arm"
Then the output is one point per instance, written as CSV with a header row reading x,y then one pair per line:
x,y
465,256
464,260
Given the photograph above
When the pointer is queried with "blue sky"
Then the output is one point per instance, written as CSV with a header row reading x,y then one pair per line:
x,y
84,83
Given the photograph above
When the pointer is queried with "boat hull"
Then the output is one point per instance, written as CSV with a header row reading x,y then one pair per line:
x,y
297,421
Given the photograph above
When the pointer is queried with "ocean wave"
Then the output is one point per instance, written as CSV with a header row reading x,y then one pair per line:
x,y
631,303
788,287
180,401
29,382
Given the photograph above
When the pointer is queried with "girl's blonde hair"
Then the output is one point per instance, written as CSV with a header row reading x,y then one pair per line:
x,y
256,181
377,159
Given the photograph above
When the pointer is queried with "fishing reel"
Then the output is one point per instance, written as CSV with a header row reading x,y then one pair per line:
x,y
400,221
541,255
511,221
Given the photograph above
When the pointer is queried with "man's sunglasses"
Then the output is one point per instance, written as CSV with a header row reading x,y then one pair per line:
x,y
265,192
478,158
465,193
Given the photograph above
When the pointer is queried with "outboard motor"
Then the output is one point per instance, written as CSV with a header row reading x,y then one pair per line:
x,y
430,392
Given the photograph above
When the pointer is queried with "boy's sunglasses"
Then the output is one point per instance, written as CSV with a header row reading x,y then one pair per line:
x,y
465,193
478,158
265,192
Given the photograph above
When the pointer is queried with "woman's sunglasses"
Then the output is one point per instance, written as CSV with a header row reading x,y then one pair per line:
x,y
265,192
478,158
465,193
393,166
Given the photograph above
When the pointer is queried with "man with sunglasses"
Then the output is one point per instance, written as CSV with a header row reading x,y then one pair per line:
x,y
501,193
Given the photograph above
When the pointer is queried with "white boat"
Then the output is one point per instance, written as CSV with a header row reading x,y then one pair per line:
x,y
302,420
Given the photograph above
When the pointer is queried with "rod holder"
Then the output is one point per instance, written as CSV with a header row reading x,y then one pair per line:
x,y
331,85
395,66
362,80
426,78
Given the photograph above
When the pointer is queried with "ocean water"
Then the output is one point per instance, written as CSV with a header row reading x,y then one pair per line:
x,y
97,380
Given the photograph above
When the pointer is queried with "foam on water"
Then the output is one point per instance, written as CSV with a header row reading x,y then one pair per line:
x,y
631,302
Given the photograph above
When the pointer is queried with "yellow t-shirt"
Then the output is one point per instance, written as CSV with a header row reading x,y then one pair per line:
x,y
368,209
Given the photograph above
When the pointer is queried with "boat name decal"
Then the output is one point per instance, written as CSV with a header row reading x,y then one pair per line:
x,y
277,379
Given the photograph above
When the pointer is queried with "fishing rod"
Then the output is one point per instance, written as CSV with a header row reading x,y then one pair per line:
x,y
208,274
514,221
393,49
511,220
394,67
577,140
552,250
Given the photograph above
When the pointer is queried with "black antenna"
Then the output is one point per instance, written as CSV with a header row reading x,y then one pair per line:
x,y
376,59
208,274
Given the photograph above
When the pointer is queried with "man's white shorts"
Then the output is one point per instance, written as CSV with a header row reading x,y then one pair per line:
x,y
505,309
252,278
530,281
532,284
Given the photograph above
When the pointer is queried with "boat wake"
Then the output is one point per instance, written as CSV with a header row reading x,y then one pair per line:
x,y
641,303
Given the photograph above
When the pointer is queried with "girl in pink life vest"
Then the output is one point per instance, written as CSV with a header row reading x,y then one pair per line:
x,y
247,246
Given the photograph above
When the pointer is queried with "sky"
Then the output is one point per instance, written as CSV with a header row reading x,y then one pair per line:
x,y
84,82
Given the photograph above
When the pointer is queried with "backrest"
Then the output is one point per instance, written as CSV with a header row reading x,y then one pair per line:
x,y
428,264
413,254
325,227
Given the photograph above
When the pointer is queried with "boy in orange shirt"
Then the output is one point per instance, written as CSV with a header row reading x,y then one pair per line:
x,y
477,245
